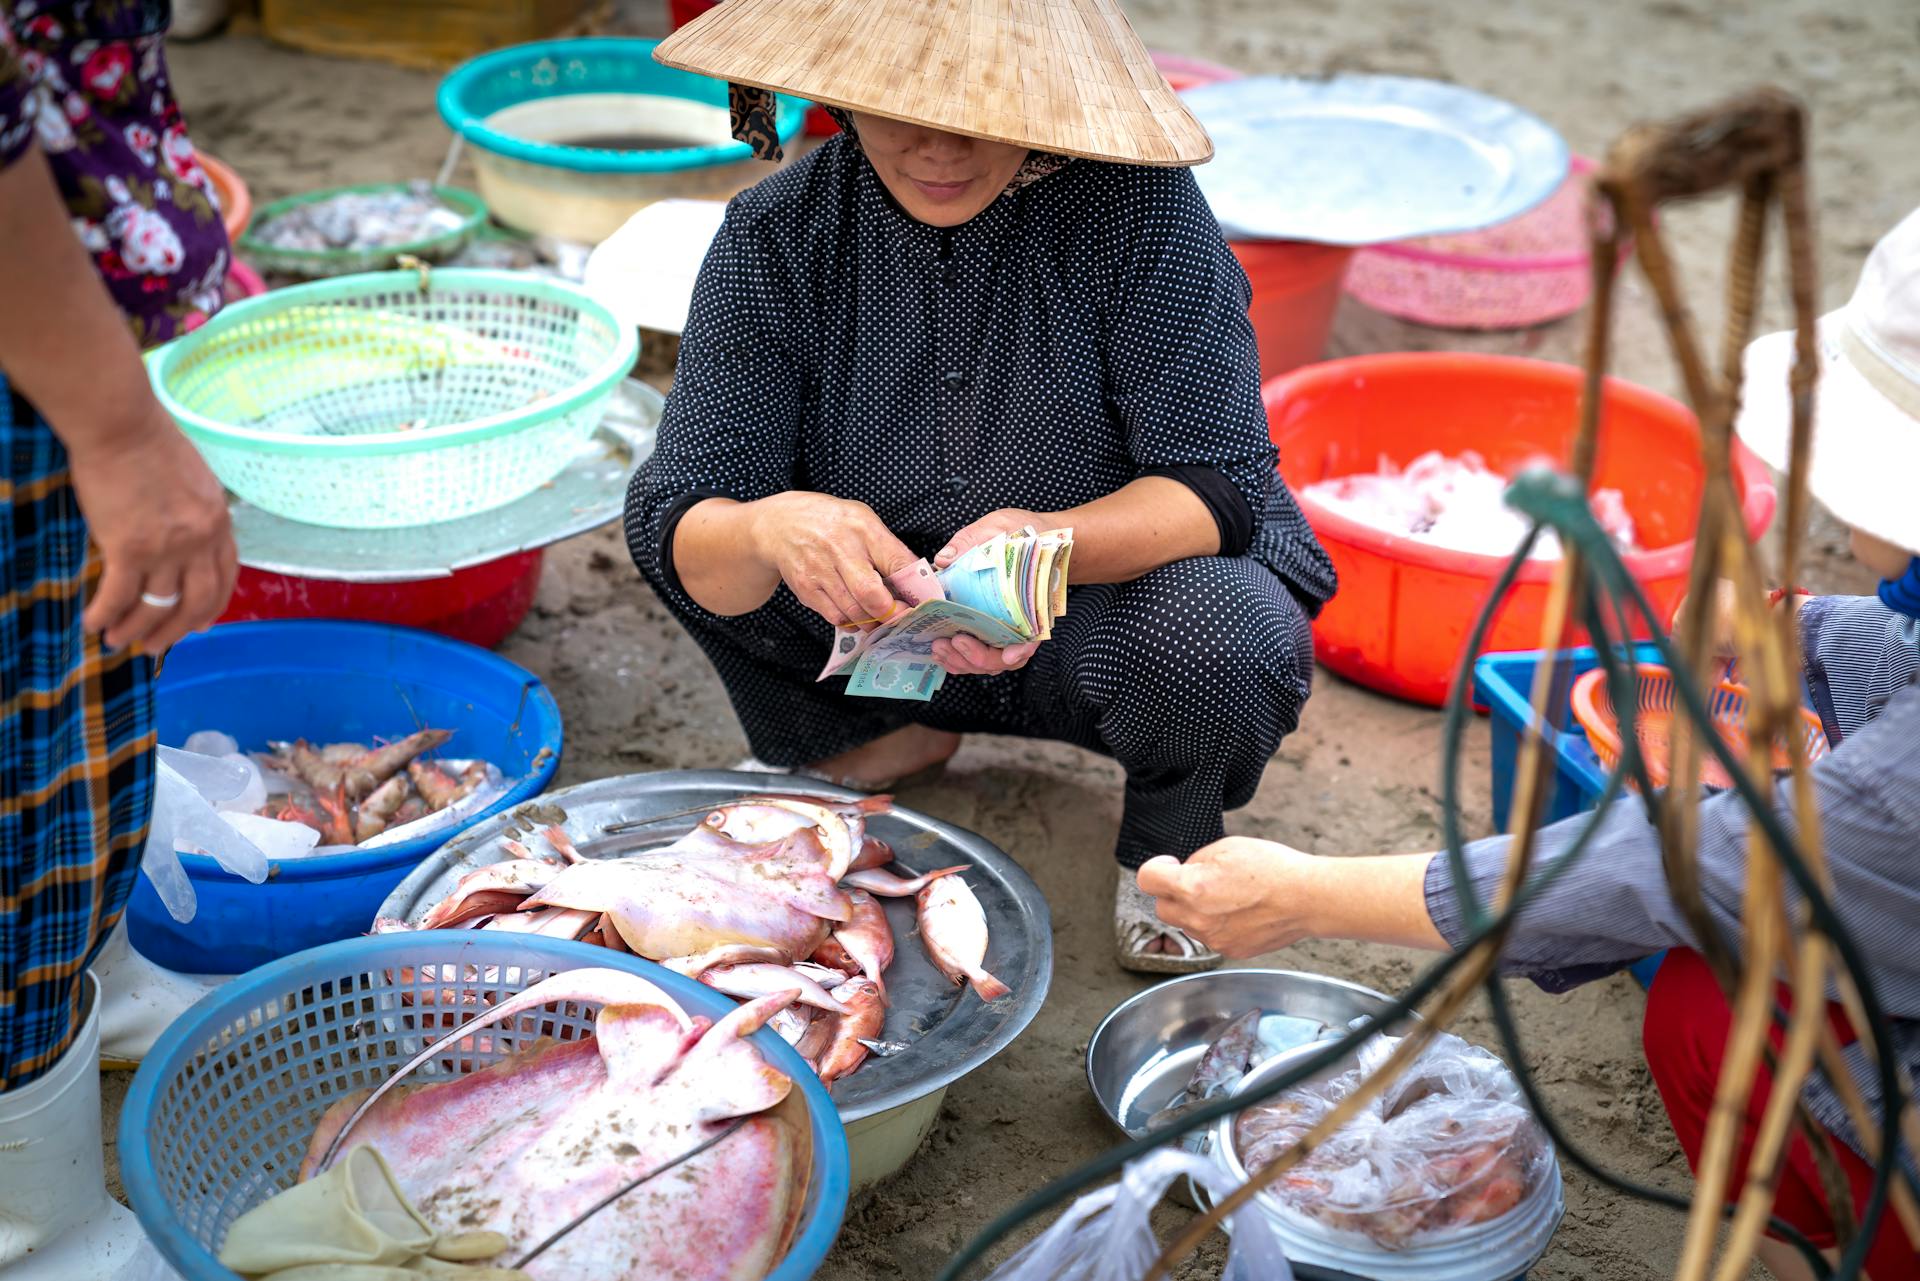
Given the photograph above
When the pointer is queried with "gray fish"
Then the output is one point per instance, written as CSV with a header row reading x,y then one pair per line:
x,y
1225,1061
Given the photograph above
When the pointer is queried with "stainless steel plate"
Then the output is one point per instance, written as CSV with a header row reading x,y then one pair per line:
x,y
949,1030
1143,1054
588,494
1360,160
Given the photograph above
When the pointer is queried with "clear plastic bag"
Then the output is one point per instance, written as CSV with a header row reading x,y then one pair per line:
x,y
1449,1145
1107,1235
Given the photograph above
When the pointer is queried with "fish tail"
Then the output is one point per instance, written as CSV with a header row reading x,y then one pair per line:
x,y
988,987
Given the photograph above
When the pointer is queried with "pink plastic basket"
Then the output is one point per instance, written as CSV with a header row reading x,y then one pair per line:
x,y
1526,271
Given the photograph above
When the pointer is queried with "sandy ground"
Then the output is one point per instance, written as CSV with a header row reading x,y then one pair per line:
x,y
1362,774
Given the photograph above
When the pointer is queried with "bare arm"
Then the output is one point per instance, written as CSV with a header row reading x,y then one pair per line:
x,y
158,516
732,556
1244,897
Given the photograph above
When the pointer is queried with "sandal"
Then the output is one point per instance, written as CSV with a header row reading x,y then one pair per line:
x,y
1136,926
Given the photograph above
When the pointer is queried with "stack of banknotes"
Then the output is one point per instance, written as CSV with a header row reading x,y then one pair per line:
x,y
1005,591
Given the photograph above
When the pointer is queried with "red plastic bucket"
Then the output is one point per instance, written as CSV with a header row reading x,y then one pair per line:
x,y
1296,290
681,12
1404,608
481,604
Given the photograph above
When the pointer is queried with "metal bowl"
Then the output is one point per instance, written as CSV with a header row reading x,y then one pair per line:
x,y
1500,1249
1143,1054
890,1104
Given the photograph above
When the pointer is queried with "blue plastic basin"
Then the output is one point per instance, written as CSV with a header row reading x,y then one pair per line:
x,y
331,682
222,1110
504,78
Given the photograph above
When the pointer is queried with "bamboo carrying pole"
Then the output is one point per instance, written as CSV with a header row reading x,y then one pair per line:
x,y
1754,144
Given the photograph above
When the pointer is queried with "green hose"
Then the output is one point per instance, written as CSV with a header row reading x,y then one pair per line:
x,y
1608,594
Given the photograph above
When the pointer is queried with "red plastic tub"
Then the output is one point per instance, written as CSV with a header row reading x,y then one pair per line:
x,y
242,282
481,604
1296,290
1404,609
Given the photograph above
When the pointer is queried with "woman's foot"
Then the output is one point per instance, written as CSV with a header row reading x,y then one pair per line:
x,y
1145,944
906,755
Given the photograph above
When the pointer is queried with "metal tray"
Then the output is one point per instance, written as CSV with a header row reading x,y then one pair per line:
x,y
949,1030
588,494
1143,1054
1361,160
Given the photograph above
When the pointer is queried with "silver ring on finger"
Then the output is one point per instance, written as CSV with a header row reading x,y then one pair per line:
x,y
160,602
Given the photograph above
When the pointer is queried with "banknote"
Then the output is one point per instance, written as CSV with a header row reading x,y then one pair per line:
x,y
1004,591
911,586
907,678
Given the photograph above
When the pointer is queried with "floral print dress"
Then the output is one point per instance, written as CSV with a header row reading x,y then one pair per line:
x,y
87,80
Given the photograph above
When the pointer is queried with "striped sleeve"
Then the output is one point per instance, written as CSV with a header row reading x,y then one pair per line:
x,y
1859,654
1612,907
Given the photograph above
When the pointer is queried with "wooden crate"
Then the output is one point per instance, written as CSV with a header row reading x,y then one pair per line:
x,y
433,34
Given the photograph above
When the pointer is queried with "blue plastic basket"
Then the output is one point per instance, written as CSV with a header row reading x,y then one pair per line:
x,y
504,78
331,682
221,1111
1503,684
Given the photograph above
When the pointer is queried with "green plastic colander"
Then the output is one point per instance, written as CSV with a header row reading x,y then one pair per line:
x,y
340,262
398,398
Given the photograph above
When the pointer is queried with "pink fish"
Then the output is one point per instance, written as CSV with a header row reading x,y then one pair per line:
x,y
551,922
525,1146
764,820
953,926
866,1017
678,911
754,981
726,954
791,1024
520,877
887,885
867,939
874,853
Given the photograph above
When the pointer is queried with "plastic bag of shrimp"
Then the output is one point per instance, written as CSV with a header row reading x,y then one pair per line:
x,y
1107,1235
1449,1146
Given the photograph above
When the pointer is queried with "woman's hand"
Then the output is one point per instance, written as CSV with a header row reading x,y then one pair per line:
x,y
1239,896
1242,897
160,521
1008,520
833,553
963,655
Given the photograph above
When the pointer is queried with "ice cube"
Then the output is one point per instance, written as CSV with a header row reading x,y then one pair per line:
x,y
211,742
253,794
276,839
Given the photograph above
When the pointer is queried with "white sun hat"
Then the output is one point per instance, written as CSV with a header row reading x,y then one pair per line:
x,y
1866,418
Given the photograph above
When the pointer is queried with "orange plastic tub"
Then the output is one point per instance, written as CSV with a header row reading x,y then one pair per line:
x,y
1296,290
236,202
1404,610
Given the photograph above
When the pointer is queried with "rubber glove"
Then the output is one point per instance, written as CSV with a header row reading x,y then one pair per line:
x,y
352,1215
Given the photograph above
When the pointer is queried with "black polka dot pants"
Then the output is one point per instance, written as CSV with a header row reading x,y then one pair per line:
x,y
1189,677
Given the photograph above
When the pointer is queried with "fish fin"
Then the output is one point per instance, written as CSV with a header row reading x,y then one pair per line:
x,y
988,987
592,985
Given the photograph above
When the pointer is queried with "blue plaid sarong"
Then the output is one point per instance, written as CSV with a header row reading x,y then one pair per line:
x,y
76,754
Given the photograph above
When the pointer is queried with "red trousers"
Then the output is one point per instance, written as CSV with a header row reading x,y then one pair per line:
x,y
1685,1036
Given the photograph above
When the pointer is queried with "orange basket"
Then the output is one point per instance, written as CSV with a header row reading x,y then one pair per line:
x,y
236,202
1593,708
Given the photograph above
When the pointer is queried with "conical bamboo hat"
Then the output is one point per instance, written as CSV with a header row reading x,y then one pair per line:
x,y
1055,75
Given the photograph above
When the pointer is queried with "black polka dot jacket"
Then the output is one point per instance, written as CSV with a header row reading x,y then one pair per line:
x,y
1081,332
